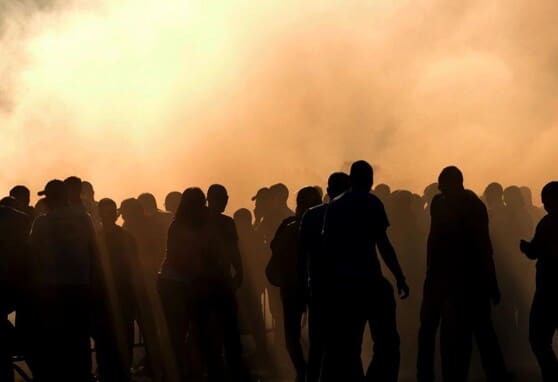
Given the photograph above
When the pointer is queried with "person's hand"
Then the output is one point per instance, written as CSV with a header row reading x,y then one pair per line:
x,y
403,289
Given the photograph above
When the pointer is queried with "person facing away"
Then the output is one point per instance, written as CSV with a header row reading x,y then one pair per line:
x,y
253,251
286,270
88,200
544,310
14,278
228,278
312,258
73,187
355,224
536,212
160,222
172,201
460,285
114,296
63,246
22,195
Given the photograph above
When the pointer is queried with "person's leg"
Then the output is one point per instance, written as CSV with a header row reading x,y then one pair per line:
x,y
209,336
317,332
430,315
383,328
542,327
292,316
6,371
456,342
173,302
489,347
228,313
345,328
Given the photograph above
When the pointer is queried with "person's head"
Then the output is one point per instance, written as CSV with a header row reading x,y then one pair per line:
x,y
217,198
337,184
243,218
108,212
513,197
73,187
549,197
148,202
56,194
279,194
403,200
87,191
527,195
40,207
262,203
307,198
382,191
131,210
192,209
172,201
494,194
362,176
430,192
450,181
8,201
22,195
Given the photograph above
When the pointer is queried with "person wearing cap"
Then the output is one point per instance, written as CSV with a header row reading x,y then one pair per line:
x,y
22,196
14,279
63,246
286,271
354,228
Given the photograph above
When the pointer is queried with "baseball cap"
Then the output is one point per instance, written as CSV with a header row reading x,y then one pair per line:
x,y
54,188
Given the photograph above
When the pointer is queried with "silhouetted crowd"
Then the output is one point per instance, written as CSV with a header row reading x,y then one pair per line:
x,y
208,297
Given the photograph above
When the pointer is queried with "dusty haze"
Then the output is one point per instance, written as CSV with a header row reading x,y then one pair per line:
x,y
144,95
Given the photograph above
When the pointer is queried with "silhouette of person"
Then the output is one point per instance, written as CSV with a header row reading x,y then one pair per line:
x,y
383,192
88,200
253,251
286,271
8,201
228,278
40,207
261,208
544,311
148,237
22,195
172,201
114,296
355,224
536,212
14,227
460,284
312,257
73,187
63,245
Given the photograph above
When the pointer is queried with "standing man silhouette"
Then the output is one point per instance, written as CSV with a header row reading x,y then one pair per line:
x,y
355,224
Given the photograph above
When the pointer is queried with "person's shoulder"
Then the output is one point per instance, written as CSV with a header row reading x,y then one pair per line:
x,y
547,223
314,212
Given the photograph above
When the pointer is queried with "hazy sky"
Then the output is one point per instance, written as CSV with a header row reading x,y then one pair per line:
x,y
146,95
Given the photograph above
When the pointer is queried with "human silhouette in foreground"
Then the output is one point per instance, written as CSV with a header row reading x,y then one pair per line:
x,y
544,311
114,296
286,270
253,251
62,244
14,280
355,224
460,285
313,259
227,279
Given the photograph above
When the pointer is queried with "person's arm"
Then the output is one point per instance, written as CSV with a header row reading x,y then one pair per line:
x,y
535,248
390,259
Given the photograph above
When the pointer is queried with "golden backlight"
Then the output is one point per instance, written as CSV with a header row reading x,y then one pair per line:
x,y
150,95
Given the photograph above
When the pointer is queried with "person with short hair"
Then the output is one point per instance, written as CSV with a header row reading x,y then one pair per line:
x,y
544,310
63,246
354,226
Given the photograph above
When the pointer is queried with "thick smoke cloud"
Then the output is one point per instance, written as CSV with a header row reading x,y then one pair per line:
x,y
148,95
